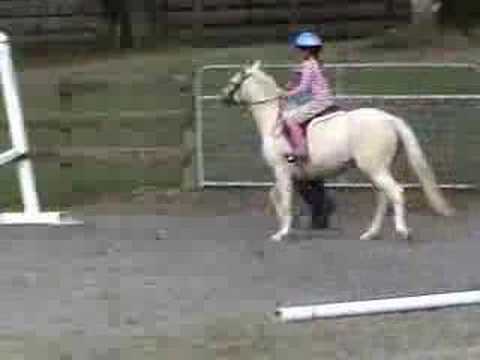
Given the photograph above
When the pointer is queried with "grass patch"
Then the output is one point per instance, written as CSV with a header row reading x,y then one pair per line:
x,y
142,99
69,181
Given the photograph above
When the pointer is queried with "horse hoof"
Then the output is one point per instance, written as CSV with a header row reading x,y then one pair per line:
x,y
369,236
277,237
404,234
448,212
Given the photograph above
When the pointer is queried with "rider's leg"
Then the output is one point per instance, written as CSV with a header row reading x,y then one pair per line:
x,y
294,119
298,139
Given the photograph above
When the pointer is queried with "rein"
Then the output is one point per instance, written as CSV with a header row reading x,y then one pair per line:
x,y
259,102
278,124
236,87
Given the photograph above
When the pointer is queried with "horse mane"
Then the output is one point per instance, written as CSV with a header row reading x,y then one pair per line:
x,y
267,80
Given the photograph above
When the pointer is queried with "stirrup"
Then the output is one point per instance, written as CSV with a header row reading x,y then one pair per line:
x,y
292,158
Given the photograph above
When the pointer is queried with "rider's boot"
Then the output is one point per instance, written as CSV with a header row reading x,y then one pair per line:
x,y
298,153
299,148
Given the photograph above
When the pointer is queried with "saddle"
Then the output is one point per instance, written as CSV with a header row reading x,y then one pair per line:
x,y
329,110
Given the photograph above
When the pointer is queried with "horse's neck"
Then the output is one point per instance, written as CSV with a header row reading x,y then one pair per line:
x,y
265,115
266,118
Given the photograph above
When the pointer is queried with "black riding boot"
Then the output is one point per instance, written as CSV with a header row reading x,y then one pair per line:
x,y
321,204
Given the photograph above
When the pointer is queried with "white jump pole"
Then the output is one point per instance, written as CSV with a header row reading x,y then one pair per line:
x,y
32,213
381,306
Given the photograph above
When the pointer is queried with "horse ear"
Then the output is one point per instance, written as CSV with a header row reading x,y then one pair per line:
x,y
256,65
247,65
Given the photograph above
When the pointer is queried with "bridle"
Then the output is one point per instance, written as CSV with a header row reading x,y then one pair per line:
x,y
229,99
235,87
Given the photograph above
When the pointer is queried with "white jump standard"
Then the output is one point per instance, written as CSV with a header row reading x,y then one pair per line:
x,y
19,153
381,306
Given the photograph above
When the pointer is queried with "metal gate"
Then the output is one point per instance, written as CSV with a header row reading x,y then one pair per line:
x,y
443,122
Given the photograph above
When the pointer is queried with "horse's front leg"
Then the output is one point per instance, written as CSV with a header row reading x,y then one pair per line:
x,y
374,229
275,201
283,194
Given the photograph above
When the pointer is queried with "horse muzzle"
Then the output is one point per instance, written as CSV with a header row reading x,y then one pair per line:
x,y
227,100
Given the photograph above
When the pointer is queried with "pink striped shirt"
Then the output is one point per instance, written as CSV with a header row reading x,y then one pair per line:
x,y
314,84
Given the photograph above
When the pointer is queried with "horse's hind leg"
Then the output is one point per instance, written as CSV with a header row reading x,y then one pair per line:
x,y
374,229
394,192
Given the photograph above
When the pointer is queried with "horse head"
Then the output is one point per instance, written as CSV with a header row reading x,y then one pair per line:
x,y
233,92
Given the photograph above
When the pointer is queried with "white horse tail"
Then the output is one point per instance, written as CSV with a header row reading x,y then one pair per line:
x,y
421,167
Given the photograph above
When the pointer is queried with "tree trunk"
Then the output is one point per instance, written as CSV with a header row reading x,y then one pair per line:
x,y
461,14
142,15
424,18
390,8
126,33
132,22
161,18
197,25
423,12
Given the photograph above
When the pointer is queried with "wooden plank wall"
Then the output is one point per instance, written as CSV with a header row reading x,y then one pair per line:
x,y
68,17
250,20
235,12
32,19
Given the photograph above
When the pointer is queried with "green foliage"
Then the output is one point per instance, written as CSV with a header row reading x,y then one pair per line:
x,y
113,8
463,14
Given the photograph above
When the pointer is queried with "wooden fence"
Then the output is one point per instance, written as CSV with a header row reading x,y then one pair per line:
x,y
236,12
32,20
36,18
250,19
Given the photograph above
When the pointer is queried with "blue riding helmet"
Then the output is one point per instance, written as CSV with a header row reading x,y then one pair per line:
x,y
307,39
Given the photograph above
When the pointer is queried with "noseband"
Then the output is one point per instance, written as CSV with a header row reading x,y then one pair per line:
x,y
235,87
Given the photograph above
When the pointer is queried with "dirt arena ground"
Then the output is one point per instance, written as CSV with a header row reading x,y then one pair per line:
x,y
196,273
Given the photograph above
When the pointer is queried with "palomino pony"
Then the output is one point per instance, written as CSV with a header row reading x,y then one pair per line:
x,y
366,138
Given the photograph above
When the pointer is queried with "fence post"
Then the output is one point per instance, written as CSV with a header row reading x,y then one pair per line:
x,y
189,182
65,96
197,23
